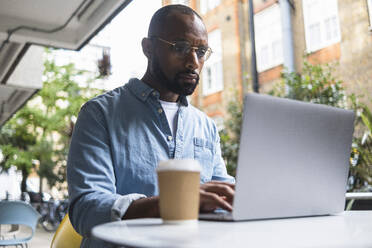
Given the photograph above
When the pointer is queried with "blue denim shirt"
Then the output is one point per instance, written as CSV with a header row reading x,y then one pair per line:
x,y
117,142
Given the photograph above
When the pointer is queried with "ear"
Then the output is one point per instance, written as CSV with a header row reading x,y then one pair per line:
x,y
147,47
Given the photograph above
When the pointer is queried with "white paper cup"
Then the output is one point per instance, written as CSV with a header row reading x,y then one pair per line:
x,y
179,184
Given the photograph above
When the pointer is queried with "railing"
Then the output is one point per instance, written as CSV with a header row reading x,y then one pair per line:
x,y
353,196
359,196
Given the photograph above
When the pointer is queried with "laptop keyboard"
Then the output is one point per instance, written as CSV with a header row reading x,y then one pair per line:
x,y
219,214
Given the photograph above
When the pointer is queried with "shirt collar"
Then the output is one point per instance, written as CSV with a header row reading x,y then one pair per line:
x,y
143,91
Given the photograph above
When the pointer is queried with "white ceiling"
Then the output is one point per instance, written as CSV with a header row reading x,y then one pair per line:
x,y
89,16
66,24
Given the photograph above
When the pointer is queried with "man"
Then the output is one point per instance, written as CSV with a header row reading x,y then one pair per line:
x,y
121,136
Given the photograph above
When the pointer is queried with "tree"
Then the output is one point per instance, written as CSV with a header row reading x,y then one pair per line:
x,y
40,132
15,147
230,136
360,178
315,84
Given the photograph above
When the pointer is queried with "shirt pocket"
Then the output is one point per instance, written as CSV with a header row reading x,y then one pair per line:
x,y
203,152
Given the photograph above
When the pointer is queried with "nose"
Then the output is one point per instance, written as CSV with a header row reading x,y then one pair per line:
x,y
192,61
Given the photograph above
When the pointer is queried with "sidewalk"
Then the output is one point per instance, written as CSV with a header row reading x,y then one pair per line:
x,y
41,239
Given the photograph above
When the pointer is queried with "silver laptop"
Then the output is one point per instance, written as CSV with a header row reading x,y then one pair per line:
x,y
293,160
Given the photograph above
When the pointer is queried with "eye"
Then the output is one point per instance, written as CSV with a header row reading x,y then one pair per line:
x,y
201,51
181,47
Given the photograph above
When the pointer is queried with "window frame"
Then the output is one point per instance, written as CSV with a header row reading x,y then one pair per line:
x,y
183,2
323,32
369,9
214,65
264,43
206,6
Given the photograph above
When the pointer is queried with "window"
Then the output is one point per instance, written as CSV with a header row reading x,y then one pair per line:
x,y
207,5
212,73
321,23
369,3
184,2
268,34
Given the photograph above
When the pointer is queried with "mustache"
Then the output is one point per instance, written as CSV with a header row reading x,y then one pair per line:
x,y
188,73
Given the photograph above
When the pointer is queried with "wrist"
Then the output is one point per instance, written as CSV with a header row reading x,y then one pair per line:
x,y
155,212
143,208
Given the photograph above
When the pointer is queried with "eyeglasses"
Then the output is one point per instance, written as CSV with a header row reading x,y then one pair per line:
x,y
183,48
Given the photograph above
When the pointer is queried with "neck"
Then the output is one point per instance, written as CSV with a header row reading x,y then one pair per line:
x,y
153,82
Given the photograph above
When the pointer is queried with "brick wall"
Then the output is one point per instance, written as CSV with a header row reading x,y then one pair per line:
x,y
355,64
225,18
351,57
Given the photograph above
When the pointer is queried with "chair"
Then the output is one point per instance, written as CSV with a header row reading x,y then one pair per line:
x,y
66,236
13,231
18,213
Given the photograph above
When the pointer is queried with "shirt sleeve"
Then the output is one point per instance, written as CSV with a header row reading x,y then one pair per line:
x,y
90,174
121,204
219,170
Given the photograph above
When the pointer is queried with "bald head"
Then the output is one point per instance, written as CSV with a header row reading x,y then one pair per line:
x,y
161,19
176,39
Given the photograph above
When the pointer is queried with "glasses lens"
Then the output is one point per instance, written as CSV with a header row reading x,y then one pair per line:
x,y
201,52
182,47
207,54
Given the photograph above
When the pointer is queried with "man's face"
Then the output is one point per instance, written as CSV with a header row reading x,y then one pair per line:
x,y
177,73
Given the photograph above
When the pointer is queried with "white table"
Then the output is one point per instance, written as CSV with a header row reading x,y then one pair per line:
x,y
348,229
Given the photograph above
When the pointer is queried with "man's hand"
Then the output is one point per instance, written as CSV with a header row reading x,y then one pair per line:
x,y
143,208
215,194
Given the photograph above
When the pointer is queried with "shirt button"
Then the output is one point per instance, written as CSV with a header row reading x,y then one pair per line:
x,y
160,111
170,138
143,94
154,93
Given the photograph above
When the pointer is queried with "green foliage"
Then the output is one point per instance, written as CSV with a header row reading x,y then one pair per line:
x,y
230,136
15,146
39,133
361,157
316,84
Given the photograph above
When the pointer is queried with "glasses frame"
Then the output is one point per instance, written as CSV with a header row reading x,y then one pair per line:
x,y
194,48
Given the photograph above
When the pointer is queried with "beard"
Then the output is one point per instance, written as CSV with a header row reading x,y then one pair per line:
x,y
175,85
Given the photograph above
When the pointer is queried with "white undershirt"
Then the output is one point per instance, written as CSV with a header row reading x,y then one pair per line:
x,y
171,109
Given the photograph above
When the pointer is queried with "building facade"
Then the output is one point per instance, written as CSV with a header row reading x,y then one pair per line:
x,y
337,32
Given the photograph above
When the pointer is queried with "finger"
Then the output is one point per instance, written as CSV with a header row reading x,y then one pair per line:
x,y
221,190
230,201
231,185
208,184
211,200
208,209
220,202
